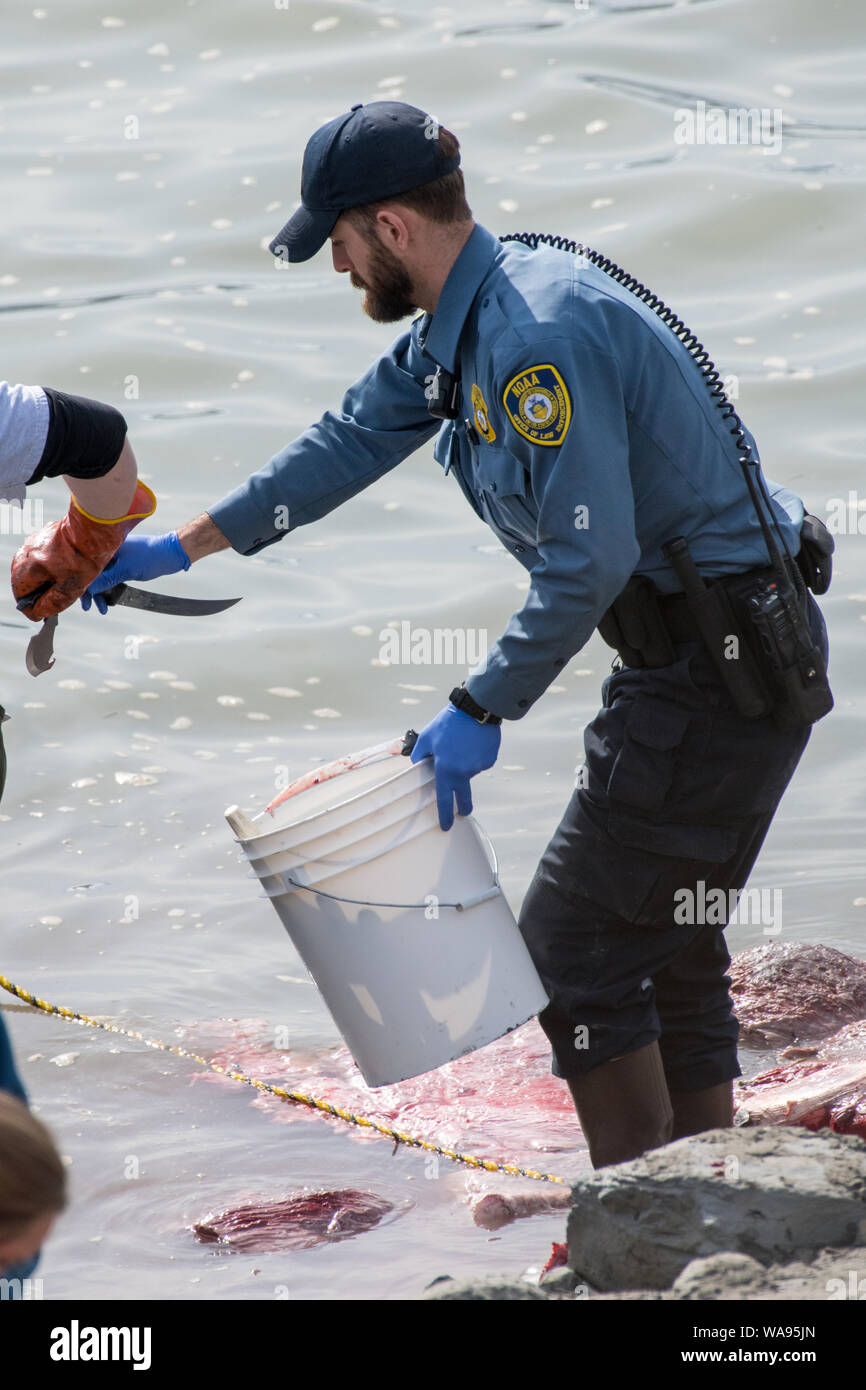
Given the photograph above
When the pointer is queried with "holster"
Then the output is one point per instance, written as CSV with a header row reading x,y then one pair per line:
x,y
634,625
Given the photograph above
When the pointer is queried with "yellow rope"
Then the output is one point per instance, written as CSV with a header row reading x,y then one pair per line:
x,y
282,1094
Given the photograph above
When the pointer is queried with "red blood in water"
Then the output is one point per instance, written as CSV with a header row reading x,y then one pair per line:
x,y
500,1102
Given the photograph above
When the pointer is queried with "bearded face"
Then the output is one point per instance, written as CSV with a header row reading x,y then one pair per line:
x,y
389,292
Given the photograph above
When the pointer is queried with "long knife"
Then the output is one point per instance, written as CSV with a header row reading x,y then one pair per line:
x,y
40,650
142,598
131,597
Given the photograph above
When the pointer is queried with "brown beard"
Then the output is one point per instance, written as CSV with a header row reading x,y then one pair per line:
x,y
390,295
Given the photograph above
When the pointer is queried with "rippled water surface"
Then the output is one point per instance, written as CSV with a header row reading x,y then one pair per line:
x,y
149,154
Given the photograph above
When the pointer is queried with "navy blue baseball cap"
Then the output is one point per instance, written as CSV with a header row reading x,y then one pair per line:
x,y
374,151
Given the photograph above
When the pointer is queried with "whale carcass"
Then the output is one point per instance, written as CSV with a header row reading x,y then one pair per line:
x,y
294,1222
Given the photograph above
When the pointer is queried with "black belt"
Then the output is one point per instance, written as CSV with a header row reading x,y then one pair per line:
x,y
630,614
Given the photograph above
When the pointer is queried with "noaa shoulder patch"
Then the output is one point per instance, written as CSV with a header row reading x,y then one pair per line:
x,y
538,405
481,415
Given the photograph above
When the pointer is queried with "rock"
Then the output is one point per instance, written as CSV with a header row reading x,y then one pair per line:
x,y
491,1290
795,993
833,1275
773,1194
711,1276
563,1281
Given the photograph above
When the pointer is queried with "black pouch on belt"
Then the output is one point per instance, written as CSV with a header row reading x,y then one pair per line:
x,y
634,625
815,555
774,613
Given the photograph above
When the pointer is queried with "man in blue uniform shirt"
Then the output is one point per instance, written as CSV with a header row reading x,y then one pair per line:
x,y
582,431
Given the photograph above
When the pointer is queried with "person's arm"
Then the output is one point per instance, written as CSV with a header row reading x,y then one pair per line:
x,y
111,494
384,416
86,445
45,433
586,537
202,537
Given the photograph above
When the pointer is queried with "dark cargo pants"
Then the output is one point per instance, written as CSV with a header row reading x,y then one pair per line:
x,y
678,794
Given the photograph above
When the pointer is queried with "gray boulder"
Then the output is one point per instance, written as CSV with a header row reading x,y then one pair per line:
x,y
715,1275
496,1289
774,1194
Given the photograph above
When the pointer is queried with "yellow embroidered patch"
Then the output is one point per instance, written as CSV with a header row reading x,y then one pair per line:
x,y
538,405
481,415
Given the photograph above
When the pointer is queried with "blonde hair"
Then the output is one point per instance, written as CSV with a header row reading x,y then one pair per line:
x,y
32,1175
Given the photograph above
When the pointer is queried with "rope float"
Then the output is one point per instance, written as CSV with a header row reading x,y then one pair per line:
x,y
298,1097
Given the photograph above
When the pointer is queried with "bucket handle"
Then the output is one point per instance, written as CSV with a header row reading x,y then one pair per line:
x,y
471,901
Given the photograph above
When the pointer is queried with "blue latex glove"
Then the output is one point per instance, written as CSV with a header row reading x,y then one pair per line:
x,y
140,557
460,747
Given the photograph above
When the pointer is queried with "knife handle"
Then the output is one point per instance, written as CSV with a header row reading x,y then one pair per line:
x,y
112,595
34,596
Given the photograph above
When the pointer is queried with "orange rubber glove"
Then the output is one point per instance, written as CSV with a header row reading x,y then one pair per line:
x,y
69,554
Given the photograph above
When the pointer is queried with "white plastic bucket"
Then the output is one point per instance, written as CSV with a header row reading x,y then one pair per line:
x,y
330,805
403,926
386,802
286,871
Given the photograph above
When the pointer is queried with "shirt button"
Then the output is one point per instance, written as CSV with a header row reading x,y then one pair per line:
x,y
521,704
519,549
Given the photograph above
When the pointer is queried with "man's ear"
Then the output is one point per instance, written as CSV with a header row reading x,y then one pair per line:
x,y
393,229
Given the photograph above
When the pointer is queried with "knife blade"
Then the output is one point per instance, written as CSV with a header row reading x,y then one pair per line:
x,y
39,656
130,597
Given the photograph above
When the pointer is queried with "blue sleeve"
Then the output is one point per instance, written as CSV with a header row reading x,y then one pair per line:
x,y
9,1079
789,506
586,541
383,418
15,1275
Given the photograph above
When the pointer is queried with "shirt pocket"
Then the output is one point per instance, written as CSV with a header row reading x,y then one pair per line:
x,y
504,492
